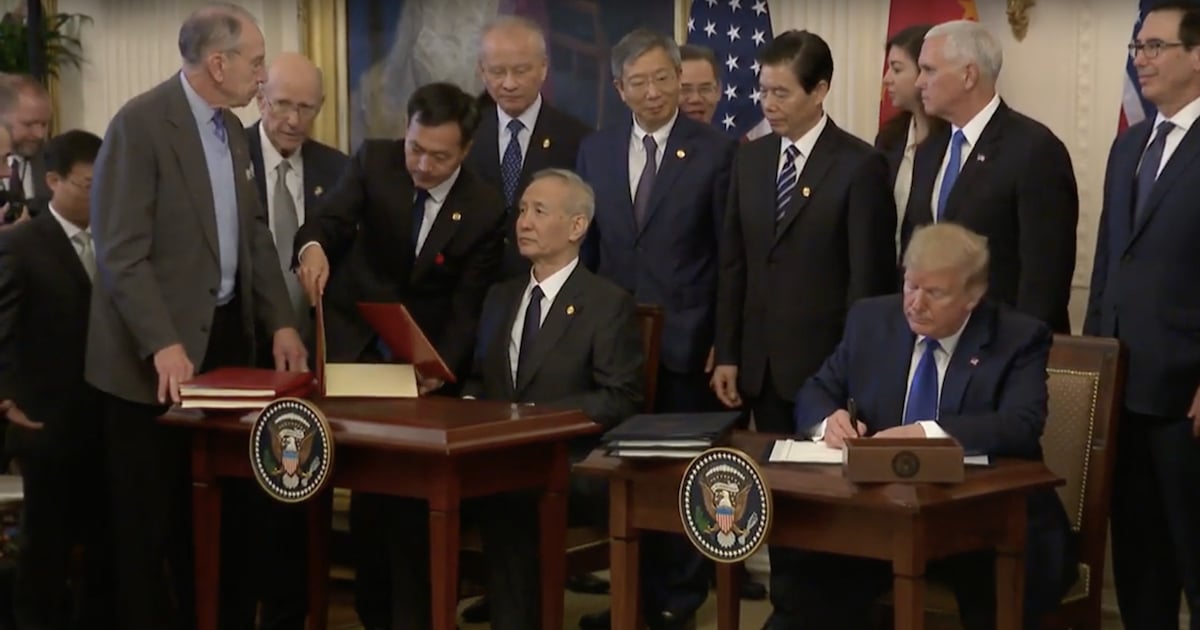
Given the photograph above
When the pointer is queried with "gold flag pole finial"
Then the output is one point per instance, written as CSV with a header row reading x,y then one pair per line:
x,y
1018,17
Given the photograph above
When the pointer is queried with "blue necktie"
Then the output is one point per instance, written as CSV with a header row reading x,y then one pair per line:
x,y
418,215
786,183
533,323
923,392
1151,161
641,199
218,121
953,165
510,166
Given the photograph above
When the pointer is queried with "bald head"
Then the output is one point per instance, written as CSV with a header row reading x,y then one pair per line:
x,y
290,100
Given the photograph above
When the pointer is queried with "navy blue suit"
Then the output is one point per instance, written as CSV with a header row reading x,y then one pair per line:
x,y
1145,292
670,260
993,401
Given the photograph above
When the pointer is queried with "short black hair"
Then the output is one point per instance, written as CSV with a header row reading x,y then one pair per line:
x,y
805,53
436,104
1189,20
692,52
71,148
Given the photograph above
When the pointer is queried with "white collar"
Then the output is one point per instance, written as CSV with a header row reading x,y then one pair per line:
x,y
1183,118
528,117
806,142
660,135
272,157
554,283
974,127
70,228
438,193
948,343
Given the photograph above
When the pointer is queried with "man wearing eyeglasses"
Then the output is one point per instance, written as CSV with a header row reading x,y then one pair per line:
x,y
699,83
995,171
519,133
1144,292
291,172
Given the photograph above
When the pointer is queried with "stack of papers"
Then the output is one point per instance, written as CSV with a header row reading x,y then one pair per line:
x,y
810,452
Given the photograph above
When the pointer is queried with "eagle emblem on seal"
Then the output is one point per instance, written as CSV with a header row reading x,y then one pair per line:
x,y
725,503
291,445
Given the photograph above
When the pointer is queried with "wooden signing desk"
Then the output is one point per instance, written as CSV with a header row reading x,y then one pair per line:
x,y
440,449
817,509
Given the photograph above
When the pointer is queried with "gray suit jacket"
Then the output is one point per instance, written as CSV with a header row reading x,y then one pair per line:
x,y
155,234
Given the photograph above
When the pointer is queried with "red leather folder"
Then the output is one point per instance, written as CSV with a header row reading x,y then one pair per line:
x,y
397,329
245,382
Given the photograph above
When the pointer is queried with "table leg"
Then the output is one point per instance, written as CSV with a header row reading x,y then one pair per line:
x,y
206,535
1010,568
443,567
625,587
729,603
320,516
909,604
553,513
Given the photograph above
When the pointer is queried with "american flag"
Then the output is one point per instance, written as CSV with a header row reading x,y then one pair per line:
x,y
736,34
1134,108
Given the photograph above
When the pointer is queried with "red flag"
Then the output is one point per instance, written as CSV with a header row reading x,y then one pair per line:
x,y
906,13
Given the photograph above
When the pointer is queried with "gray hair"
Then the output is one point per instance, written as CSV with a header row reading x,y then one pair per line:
x,y
639,42
514,22
212,28
970,42
581,200
943,246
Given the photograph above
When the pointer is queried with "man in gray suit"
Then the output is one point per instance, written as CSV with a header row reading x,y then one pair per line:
x,y
560,336
185,266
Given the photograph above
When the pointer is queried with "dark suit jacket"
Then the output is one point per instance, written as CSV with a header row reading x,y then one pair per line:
x,y
553,143
1145,289
155,234
443,288
1017,189
589,359
41,190
323,165
672,260
44,302
993,398
784,290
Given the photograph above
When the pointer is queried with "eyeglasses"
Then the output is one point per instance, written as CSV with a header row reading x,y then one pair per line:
x,y
706,90
1151,48
284,108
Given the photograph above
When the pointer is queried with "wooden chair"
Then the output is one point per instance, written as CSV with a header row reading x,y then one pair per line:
x,y
1085,378
587,547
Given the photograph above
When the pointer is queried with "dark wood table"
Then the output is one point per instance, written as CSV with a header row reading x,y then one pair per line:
x,y
443,450
816,508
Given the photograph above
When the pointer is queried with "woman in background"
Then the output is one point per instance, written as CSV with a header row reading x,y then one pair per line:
x,y
899,136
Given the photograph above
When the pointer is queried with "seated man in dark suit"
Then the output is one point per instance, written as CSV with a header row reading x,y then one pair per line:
x,y
561,336
938,361
46,269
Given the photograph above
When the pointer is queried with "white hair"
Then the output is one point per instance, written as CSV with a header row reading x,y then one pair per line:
x,y
969,42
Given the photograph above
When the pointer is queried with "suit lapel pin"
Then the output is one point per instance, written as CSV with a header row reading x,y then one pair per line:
x,y
570,309
546,143
981,157
681,154
806,191
318,190
974,361
457,216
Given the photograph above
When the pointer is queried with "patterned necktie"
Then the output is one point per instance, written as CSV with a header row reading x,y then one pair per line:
x,y
287,222
786,183
953,165
510,166
641,199
418,217
86,255
923,391
533,323
218,121
1151,161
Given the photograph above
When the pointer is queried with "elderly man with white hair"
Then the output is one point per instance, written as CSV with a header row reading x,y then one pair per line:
x,y
995,171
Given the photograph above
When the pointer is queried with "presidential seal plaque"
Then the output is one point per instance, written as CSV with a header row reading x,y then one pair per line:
x,y
725,505
291,450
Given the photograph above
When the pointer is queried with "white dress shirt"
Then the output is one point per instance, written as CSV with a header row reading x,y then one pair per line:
x,y
550,288
941,357
1183,119
637,151
971,132
437,197
804,144
528,118
294,180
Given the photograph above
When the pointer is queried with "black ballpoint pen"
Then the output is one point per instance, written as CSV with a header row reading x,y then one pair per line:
x,y
853,409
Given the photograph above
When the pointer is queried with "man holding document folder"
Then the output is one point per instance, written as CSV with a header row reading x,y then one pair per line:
x,y
936,362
